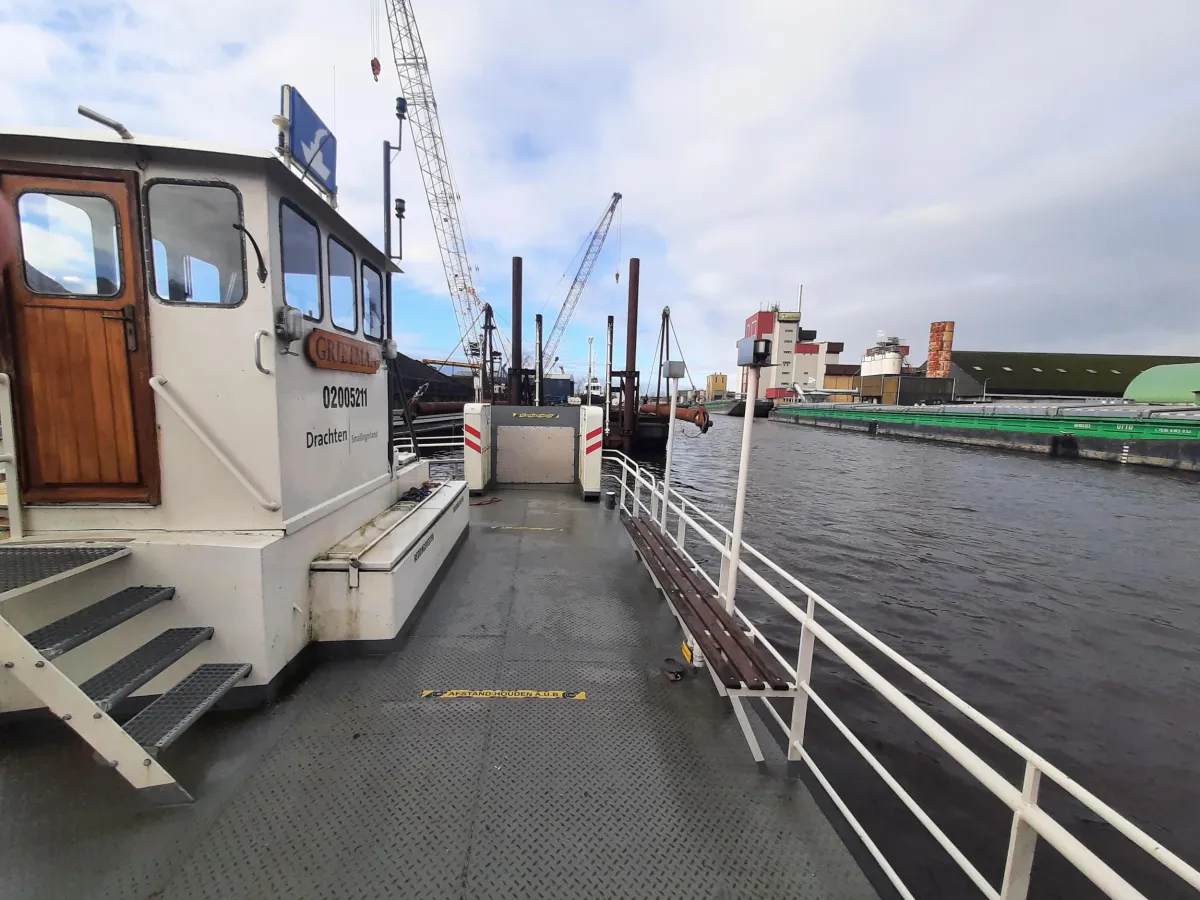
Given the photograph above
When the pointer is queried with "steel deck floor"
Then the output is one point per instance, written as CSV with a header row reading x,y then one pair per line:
x,y
355,787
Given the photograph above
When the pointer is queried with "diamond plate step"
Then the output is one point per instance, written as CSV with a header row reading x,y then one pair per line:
x,y
26,567
126,675
158,725
80,627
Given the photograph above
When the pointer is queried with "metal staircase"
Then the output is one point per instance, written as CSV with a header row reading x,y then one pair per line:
x,y
133,749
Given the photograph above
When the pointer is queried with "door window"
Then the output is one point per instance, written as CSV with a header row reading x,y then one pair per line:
x,y
69,244
342,303
301,261
197,253
372,292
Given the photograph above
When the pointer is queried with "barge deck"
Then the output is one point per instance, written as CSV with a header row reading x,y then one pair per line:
x,y
357,786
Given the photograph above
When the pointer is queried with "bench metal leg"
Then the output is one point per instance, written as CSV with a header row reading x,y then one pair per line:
x,y
740,712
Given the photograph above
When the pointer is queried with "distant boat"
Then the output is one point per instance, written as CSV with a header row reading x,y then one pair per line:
x,y
762,409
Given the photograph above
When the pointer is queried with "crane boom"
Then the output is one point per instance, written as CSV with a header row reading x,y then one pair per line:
x,y
581,278
413,69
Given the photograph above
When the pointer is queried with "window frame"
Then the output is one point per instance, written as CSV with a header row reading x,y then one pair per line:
x,y
355,283
364,263
151,281
283,201
122,286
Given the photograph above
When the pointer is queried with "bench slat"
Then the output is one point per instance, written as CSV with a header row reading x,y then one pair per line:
x,y
718,623
775,676
707,641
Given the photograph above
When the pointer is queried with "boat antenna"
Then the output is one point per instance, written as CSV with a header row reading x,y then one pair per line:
x,y
125,133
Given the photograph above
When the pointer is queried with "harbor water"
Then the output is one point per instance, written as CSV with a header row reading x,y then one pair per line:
x,y
1060,598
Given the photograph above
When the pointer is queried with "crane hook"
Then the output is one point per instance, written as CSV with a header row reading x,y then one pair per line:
x,y
375,67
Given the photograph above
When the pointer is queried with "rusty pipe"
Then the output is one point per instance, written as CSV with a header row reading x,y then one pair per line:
x,y
435,407
697,415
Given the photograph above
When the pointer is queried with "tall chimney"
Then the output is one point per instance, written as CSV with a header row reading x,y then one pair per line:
x,y
515,380
537,362
941,342
608,351
631,325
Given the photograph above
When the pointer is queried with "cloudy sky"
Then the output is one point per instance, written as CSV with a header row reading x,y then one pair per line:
x,y
1028,169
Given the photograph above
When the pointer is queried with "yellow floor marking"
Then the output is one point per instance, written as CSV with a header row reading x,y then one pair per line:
x,y
545,695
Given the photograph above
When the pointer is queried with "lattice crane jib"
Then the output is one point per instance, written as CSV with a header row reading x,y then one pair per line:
x,y
595,244
436,175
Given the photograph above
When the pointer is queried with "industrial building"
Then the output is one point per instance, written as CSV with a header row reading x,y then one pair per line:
x,y
990,373
715,387
885,376
981,373
788,339
1167,384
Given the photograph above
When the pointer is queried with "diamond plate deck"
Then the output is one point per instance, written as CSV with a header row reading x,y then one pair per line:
x,y
129,673
23,566
354,788
162,722
78,628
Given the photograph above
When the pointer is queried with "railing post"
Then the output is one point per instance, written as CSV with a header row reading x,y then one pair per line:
x,y
1022,841
723,580
739,506
625,485
681,529
803,677
653,501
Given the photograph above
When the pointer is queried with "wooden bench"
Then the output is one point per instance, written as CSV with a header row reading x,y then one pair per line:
x,y
740,667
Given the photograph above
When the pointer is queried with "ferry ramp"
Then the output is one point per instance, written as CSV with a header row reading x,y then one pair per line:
x,y
357,786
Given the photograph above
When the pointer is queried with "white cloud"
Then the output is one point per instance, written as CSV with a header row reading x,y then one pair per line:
x,y
1027,170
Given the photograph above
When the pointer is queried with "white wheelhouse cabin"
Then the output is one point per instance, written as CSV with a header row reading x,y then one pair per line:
x,y
219,420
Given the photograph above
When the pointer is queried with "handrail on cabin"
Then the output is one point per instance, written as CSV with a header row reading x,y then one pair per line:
x,y
158,385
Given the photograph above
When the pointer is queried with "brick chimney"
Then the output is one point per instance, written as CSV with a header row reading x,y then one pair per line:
x,y
941,340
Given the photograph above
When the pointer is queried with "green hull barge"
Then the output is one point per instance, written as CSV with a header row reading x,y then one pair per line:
x,y
1142,434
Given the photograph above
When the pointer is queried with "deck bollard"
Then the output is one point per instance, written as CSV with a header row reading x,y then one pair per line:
x,y
610,499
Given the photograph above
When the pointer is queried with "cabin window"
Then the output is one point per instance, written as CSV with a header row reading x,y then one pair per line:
x,y
69,244
372,294
197,255
301,261
343,309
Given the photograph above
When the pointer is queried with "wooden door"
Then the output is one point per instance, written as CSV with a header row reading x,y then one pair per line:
x,y
79,350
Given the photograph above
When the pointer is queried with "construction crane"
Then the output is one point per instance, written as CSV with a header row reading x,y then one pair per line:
x,y
595,243
413,69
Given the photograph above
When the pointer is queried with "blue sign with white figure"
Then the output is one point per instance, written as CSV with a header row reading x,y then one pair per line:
x,y
312,143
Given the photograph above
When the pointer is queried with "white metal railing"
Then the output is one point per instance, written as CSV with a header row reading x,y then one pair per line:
x,y
404,444
1029,820
8,460
159,385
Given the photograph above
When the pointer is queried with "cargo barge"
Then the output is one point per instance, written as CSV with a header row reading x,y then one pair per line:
x,y
1142,434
